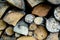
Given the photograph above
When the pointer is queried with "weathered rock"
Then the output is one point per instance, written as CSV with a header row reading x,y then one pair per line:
x,y
18,3
32,26
53,36
2,25
57,13
54,1
52,25
9,31
26,38
29,18
34,2
12,17
21,28
40,33
38,20
3,8
41,10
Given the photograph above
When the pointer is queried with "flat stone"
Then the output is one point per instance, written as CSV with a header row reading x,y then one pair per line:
x,y
29,18
2,25
41,10
53,36
21,28
18,3
40,33
12,17
9,31
52,25
34,2
26,38
33,26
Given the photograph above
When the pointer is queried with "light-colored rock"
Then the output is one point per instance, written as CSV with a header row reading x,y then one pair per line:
x,y
12,17
54,1
32,26
18,3
9,31
1,32
34,2
38,20
40,33
29,18
26,38
21,28
17,35
30,33
2,25
41,10
53,36
52,25
57,13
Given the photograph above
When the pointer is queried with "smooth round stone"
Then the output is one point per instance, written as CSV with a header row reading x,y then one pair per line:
x,y
53,36
29,18
57,13
54,1
9,31
52,25
38,20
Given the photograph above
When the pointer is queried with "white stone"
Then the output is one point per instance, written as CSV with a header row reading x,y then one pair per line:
x,y
38,20
21,28
52,25
29,18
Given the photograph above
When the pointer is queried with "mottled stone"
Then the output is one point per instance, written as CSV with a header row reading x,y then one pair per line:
x,y
40,33
21,28
12,17
52,25
26,38
41,10
29,18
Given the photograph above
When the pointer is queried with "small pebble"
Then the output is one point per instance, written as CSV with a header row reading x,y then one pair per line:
x,y
9,31
17,35
2,25
21,28
40,33
13,17
52,25
32,26
29,18
30,33
38,20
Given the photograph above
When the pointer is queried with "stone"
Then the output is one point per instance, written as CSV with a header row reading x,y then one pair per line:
x,y
18,3
17,35
34,2
29,18
9,31
53,36
56,2
3,8
40,33
33,26
26,38
2,25
21,28
41,10
30,33
12,17
0,32
52,25
57,13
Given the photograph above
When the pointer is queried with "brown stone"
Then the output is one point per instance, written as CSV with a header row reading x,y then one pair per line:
x,y
41,10
13,17
26,38
40,33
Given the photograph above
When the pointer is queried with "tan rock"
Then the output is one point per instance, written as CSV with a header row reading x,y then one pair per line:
x,y
1,32
30,33
2,25
9,31
26,38
32,26
40,33
13,17
41,10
